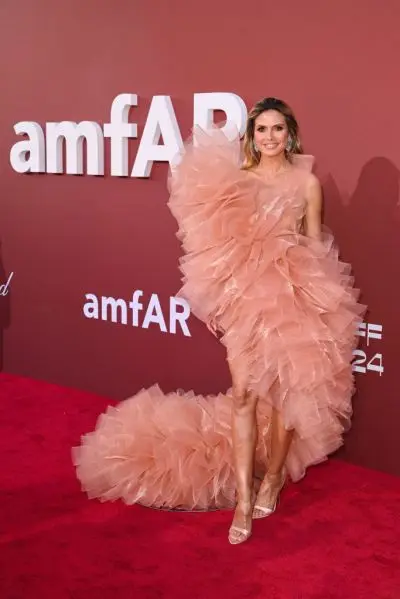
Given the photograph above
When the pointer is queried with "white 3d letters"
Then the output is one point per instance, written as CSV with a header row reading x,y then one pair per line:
x,y
232,105
161,140
119,130
161,121
73,134
28,155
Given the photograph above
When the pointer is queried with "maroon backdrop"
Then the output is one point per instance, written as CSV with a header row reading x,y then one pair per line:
x,y
64,236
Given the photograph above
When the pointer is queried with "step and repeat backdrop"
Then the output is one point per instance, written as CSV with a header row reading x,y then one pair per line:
x,y
97,98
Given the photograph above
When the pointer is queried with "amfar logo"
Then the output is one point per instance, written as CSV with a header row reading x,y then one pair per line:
x,y
118,310
5,287
42,151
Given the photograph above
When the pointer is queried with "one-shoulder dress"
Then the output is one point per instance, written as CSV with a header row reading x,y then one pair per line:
x,y
285,308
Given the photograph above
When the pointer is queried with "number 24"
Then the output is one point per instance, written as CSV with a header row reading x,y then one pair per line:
x,y
375,363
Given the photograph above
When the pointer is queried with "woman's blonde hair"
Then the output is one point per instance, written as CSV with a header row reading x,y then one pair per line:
x,y
251,155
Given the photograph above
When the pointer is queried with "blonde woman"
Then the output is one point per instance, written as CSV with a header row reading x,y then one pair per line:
x,y
260,272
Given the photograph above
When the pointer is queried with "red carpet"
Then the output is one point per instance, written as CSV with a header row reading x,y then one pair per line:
x,y
336,534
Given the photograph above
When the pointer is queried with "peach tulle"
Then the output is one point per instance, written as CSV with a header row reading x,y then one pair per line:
x,y
285,308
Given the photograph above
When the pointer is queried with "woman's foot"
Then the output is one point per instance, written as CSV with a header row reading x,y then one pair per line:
x,y
268,495
240,530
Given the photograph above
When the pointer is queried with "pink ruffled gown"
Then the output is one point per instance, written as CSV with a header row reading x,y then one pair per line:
x,y
287,312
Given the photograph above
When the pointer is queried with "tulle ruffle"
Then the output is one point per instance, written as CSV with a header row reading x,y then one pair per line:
x,y
162,451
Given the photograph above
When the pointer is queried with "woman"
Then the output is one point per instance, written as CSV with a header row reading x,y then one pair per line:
x,y
259,271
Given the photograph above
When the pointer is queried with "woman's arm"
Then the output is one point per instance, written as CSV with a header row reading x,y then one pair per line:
x,y
313,216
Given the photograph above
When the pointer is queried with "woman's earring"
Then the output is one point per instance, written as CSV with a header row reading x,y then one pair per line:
x,y
255,147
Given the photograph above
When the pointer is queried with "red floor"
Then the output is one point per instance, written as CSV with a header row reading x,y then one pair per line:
x,y
336,534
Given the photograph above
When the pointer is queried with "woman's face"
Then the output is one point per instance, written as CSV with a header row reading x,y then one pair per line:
x,y
270,133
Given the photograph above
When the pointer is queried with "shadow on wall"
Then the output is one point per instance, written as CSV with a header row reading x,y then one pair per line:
x,y
5,304
367,231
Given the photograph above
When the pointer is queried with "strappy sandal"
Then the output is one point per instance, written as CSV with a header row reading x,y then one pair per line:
x,y
242,534
237,534
269,490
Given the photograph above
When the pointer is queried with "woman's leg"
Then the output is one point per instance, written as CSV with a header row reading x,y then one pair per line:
x,y
281,440
244,438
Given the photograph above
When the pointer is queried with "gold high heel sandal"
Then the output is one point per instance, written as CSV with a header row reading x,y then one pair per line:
x,y
270,491
242,534
238,535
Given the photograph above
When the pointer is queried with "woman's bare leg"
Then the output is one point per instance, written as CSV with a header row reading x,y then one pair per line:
x,y
244,438
281,440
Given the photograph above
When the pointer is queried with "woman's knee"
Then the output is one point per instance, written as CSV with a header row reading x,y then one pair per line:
x,y
243,401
